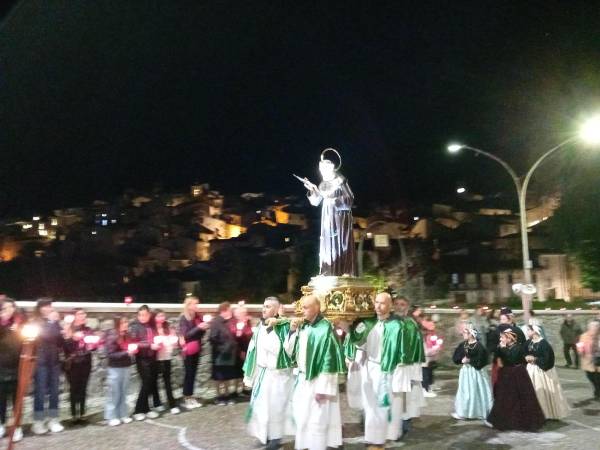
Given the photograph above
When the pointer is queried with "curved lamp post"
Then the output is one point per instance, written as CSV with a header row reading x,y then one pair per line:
x,y
590,132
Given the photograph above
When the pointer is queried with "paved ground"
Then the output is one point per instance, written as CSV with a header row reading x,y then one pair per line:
x,y
222,428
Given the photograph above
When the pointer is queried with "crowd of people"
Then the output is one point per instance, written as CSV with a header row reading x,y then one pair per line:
x,y
148,343
290,368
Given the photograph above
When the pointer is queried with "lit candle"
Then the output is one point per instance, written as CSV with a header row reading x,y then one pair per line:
x,y
30,331
239,326
91,339
132,347
339,332
440,342
128,300
69,319
206,317
433,338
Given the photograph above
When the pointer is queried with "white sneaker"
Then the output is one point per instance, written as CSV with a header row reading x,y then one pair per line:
x,y
196,403
139,417
487,424
152,415
39,427
114,422
429,394
18,436
160,408
175,410
126,419
55,426
456,416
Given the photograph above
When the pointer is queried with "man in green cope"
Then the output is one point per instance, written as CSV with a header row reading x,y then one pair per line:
x,y
267,370
313,345
375,347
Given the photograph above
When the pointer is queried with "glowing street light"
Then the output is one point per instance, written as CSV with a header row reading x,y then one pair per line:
x,y
455,148
589,133
590,130
461,190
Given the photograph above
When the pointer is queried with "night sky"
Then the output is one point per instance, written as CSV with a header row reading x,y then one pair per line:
x,y
99,96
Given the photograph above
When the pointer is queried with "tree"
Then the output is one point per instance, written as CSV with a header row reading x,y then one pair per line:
x,y
575,226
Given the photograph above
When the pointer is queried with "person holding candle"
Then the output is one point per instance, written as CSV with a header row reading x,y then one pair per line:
x,y
192,327
50,343
225,353
142,332
243,335
78,361
119,352
10,351
167,340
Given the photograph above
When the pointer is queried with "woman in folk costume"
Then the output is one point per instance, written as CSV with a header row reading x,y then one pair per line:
x,y
317,421
267,370
474,395
380,340
540,366
515,404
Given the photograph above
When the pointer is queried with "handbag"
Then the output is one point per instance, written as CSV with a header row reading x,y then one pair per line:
x,y
191,348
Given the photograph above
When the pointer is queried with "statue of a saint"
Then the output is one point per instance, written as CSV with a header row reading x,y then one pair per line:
x,y
336,252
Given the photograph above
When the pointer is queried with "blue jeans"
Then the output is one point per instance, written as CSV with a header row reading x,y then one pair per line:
x,y
117,381
46,381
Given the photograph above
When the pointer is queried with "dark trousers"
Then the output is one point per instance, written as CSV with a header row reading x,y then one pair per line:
x,y
8,389
567,351
146,368
594,378
427,378
190,364
46,381
78,376
164,369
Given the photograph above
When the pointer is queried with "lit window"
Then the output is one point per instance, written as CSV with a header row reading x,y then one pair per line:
x,y
103,214
287,239
54,222
104,223
94,232
36,217
43,232
41,226
113,221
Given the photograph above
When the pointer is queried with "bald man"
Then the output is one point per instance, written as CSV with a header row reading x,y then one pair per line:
x,y
267,370
374,347
317,422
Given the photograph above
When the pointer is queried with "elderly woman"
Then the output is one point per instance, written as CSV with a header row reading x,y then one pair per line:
x,y
474,395
540,367
516,406
589,348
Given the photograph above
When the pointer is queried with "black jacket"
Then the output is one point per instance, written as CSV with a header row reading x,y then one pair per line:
x,y
10,350
142,334
116,354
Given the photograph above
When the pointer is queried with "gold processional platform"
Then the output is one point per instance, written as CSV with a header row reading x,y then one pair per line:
x,y
342,297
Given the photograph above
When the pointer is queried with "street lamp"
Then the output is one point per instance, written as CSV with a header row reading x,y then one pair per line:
x,y
590,133
26,365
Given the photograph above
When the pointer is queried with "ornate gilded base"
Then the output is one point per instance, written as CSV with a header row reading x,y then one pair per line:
x,y
346,298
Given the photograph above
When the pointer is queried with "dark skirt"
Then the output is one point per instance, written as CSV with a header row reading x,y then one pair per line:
x,y
515,405
225,373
